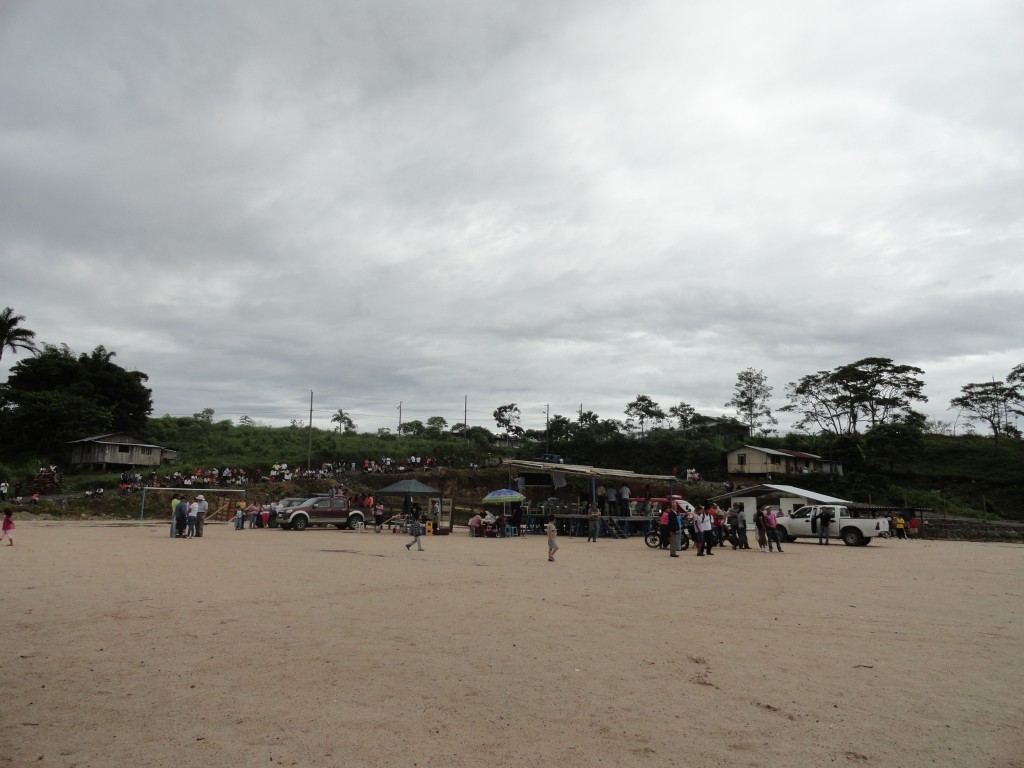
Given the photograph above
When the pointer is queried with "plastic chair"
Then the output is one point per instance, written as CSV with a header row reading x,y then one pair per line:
x,y
511,530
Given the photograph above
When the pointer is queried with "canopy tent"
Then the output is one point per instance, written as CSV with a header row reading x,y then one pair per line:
x,y
409,488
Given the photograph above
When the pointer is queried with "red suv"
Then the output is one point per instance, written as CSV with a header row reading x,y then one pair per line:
x,y
323,511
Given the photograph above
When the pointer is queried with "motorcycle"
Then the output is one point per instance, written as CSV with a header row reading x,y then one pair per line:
x,y
653,540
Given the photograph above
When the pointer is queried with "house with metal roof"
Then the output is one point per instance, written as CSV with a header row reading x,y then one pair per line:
x,y
118,450
755,460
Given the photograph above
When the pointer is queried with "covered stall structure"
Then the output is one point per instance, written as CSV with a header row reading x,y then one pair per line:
x,y
441,522
570,514
782,498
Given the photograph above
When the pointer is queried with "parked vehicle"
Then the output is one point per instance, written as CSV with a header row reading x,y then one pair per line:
x,y
322,511
847,524
653,539
277,506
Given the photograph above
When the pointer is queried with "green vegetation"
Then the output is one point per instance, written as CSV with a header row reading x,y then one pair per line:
x,y
859,414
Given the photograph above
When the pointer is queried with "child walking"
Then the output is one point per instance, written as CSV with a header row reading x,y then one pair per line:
x,y
552,532
8,528
415,530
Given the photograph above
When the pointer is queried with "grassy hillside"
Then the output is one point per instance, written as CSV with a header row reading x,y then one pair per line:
x,y
966,475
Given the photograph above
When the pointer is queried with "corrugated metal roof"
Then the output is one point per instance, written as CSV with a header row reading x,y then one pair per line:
x,y
790,490
583,469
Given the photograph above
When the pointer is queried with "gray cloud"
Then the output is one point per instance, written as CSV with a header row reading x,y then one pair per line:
x,y
544,203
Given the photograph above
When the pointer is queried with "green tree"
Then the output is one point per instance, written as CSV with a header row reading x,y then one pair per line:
x,y
413,428
56,396
246,421
344,422
507,417
644,409
873,389
205,416
559,428
683,413
750,399
12,336
896,439
990,402
436,425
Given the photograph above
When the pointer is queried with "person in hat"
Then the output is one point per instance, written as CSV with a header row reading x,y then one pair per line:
x,y
201,514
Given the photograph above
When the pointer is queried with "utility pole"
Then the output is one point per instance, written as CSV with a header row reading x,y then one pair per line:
x,y
309,447
547,427
465,418
399,417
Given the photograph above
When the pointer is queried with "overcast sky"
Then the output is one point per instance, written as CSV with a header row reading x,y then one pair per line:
x,y
546,202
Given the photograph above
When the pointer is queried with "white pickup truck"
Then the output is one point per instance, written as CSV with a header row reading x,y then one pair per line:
x,y
850,526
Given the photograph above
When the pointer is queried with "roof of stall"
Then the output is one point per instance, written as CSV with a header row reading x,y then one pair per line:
x,y
785,490
587,471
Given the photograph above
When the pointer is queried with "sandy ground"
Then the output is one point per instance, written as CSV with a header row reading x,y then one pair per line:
x,y
122,647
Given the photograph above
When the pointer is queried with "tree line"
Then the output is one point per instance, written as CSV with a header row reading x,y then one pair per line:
x,y
55,396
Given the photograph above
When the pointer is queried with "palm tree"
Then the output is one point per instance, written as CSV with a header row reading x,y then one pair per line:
x,y
11,336
344,421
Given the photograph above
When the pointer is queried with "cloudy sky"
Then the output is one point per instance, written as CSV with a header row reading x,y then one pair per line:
x,y
547,203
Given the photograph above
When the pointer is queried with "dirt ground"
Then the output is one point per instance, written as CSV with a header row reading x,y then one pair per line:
x,y
122,647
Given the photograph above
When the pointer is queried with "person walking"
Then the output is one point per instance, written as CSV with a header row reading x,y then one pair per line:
x,y
8,527
594,522
674,525
416,531
552,531
705,520
901,526
378,517
824,519
771,530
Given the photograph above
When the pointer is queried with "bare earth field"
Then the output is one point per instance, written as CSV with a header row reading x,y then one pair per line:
x,y
122,647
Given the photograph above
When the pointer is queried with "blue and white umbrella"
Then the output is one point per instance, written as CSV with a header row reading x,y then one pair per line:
x,y
503,496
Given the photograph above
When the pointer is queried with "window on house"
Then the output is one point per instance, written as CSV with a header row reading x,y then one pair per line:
x,y
741,459
146,451
776,460
123,448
